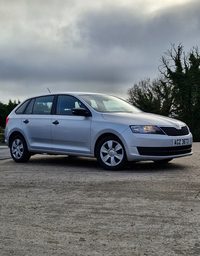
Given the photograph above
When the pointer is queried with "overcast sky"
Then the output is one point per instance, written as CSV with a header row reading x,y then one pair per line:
x,y
89,45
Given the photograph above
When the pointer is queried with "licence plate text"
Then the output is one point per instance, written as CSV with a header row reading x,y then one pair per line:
x,y
181,142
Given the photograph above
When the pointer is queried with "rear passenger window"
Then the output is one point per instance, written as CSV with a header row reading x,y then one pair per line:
x,y
43,105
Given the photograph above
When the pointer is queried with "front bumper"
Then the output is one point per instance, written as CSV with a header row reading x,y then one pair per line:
x,y
141,147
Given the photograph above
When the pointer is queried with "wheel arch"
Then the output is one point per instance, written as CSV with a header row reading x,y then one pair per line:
x,y
105,135
15,134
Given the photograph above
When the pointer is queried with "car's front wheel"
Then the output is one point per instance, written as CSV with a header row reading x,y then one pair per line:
x,y
18,149
110,153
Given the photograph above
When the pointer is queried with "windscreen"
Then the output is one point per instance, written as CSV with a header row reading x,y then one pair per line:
x,y
104,103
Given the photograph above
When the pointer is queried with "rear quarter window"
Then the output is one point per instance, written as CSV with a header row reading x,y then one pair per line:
x,y
22,107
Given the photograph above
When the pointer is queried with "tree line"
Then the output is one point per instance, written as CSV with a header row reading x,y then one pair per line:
x,y
5,110
176,91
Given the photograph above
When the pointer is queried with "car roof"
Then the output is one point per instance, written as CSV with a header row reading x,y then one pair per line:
x,y
64,93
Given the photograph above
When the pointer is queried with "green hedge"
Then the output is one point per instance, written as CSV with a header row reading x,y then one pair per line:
x,y
2,138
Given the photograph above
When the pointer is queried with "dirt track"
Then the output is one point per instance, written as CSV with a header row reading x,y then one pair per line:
x,y
55,205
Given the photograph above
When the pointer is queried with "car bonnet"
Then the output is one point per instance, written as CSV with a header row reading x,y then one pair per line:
x,y
142,119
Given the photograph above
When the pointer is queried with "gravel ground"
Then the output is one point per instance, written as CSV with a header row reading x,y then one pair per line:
x,y
57,205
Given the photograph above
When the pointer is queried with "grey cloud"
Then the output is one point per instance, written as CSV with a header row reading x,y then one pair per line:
x,y
59,70
114,28
122,28
103,50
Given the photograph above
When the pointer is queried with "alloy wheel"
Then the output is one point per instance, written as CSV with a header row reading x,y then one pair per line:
x,y
111,153
17,149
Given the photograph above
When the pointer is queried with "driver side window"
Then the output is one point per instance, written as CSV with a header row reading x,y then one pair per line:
x,y
65,104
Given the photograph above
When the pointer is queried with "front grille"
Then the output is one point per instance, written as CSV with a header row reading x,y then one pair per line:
x,y
171,131
164,151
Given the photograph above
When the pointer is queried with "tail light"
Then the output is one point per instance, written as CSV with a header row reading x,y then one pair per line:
x,y
7,119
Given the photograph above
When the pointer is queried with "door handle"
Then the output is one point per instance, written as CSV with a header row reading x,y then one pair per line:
x,y
56,122
26,121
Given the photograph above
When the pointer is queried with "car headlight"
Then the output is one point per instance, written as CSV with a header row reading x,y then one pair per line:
x,y
146,129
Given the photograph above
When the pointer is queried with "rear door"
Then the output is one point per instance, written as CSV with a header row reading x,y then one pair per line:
x,y
70,133
36,123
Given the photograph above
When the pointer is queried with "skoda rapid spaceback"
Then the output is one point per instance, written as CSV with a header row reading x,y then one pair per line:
x,y
94,125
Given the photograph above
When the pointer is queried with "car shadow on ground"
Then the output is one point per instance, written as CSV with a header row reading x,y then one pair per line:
x,y
150,166
92,164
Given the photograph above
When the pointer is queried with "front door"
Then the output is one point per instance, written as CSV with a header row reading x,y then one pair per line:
x,y
70,133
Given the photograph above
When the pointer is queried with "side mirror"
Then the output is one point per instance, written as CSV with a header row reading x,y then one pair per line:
x,y
81,112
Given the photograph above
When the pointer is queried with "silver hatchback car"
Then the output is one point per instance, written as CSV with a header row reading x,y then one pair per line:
x,y
94,125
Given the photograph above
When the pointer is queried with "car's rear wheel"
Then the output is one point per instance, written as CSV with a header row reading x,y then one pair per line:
x,y
18,149
110,153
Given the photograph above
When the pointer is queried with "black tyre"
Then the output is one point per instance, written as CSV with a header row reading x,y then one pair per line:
x,y
18,149
110,153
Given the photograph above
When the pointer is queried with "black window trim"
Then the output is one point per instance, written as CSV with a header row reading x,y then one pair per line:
x,y
54,104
